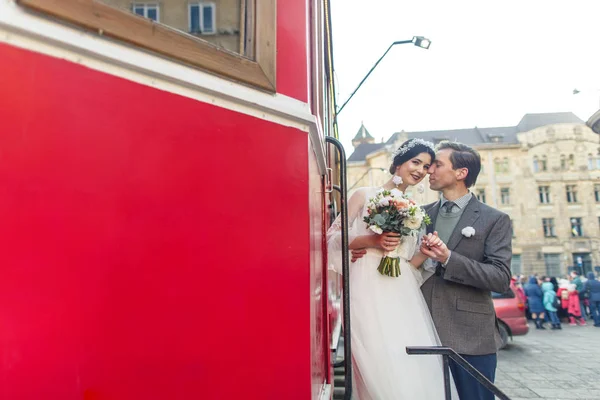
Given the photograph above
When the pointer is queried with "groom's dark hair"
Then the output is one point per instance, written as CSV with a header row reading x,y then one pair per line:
x,y
463,156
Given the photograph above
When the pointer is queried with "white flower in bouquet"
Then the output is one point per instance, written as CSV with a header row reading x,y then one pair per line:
x,y
396,193
384,202
413,222
376,229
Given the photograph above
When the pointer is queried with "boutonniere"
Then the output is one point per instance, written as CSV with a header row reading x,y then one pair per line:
x,y
468,231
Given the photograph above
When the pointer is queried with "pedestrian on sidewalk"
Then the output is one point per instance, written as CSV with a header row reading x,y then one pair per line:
x,y
576,280
534,299
574,306
563,295
592,288
551,304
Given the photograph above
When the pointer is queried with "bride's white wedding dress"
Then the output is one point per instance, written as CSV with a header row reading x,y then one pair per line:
x,y
387,314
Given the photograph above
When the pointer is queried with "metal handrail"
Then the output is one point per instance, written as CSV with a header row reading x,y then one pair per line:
x,y
447,352
345,268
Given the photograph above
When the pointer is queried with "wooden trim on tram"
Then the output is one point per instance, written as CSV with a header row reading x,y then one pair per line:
x,y
159,38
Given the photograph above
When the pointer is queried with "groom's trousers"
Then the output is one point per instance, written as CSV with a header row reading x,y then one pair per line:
x,y
468,387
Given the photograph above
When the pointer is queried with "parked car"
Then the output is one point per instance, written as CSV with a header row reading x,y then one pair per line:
x,y
510,310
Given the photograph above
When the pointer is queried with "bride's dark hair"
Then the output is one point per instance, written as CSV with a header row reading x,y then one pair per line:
x,y
410,149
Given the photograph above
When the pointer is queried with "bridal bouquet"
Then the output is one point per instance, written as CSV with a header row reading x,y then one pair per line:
x,y
392,211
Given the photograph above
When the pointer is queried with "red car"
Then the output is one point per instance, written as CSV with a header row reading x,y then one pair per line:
x,y
510,309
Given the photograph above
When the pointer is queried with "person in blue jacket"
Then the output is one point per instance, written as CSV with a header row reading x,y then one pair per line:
x,y
534,300
548,300
592,287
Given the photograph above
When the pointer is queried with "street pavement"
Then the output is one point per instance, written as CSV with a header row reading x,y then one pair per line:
x,y
552,365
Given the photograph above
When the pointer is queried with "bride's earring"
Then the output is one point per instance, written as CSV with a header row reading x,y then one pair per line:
x,y
397,180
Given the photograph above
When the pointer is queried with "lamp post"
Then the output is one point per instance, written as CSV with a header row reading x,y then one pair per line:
x,y
418,41
363,175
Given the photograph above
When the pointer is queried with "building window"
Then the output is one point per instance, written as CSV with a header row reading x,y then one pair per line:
x,y
552,262
505,196
501,165
544,164
548,224
591,162
597,193
571,193
202,18
481,195
544,192
515,264
576,227
571,160
563,162
498,165
536,164
512,228
249,32
146,10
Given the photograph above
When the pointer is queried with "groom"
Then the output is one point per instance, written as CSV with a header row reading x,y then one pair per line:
x,y
475,262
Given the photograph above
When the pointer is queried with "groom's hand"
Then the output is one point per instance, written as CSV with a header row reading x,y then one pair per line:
x,y
358,253
438,253
433,247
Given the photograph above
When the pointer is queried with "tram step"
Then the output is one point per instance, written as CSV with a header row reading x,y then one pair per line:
x,y
339,381
339,371
338,393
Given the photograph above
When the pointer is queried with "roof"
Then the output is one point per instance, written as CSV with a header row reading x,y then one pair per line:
x,y
361,151
470,136
532,121
479,136
594,122
362,133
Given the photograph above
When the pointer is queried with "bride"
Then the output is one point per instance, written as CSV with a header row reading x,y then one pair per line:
x,y
387,313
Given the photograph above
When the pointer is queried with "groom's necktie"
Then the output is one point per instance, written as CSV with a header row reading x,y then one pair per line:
x,y
448,206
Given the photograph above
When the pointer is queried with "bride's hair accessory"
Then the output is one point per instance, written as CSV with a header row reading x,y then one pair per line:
x,y
410,144
397,180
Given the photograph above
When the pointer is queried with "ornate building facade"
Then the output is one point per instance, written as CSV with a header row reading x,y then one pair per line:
x,y
544,173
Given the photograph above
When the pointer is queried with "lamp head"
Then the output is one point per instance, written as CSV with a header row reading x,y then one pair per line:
x,y
421,42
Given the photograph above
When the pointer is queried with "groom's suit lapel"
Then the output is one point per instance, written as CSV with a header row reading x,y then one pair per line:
x,y
468,218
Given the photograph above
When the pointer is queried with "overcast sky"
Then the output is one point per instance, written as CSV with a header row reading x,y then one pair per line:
x,y
490,62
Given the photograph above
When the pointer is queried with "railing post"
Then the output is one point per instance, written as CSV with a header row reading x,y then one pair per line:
x,y
447,353
447,390
345,268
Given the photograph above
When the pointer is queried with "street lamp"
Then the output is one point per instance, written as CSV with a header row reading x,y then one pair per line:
x,y
363,175
418,41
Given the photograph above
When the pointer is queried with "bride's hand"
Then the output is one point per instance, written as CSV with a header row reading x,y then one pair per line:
x,y
431,240
388,241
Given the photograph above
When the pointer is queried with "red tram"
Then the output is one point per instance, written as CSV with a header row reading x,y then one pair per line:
x,y
166,186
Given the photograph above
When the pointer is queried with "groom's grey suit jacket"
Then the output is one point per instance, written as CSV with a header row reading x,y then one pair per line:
x,y
458,295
